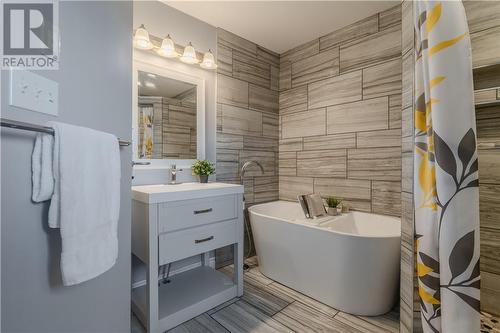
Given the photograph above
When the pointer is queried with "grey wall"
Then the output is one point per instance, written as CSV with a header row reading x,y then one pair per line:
x,y
94,78
161,20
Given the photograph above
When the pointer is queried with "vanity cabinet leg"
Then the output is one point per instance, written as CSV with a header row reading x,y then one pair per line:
x,y
238,267
152,299
239,256
152,273
205,259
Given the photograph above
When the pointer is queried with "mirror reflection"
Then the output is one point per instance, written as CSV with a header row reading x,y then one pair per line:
x,y
167,118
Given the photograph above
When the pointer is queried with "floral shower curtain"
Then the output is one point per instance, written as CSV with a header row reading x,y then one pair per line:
x,y
146,149
446,190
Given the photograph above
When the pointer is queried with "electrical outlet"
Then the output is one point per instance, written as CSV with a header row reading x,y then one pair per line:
x,y
33,92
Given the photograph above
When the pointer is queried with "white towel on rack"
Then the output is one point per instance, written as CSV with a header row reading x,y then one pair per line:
x,y
41,167
85,201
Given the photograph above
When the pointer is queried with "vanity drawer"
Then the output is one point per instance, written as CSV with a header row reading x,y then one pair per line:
x,y
189,213
185,243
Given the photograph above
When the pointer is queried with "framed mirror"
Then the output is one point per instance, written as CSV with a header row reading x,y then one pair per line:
x,y
169,116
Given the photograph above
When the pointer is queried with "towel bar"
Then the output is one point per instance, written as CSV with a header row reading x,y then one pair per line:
x,y
38,128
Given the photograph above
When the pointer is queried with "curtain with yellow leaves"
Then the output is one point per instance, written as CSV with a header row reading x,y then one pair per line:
x,y
446,170
146,150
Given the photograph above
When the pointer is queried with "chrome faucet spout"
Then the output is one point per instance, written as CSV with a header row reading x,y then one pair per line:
x,y
245,167
173,174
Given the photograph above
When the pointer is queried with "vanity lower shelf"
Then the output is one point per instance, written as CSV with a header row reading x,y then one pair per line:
x,y
187,295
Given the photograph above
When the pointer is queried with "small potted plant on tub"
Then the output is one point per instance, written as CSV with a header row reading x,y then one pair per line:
x,y
333,204
203,169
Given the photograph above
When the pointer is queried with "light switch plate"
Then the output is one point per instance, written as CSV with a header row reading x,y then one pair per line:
x,y
33,92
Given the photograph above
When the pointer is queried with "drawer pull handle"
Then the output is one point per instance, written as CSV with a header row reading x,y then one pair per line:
x,y
201,211
196,241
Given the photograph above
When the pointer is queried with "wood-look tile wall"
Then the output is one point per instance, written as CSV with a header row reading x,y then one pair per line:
x,y
409,301
340,115
174,126
247,119
484,27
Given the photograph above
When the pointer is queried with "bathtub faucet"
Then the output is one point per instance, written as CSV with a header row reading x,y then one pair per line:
x,y
242,175
246,165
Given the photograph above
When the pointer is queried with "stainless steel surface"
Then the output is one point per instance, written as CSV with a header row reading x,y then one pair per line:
x,y
197,241
202,211
140,163
245,166
173,174
38,128
245,218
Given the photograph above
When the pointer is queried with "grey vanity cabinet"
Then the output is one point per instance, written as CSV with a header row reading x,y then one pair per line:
x,y
166,229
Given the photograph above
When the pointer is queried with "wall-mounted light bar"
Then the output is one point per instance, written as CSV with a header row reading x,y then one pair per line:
x,y
168,49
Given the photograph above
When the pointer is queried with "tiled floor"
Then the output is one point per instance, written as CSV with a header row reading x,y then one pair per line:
x,y
267,306
489,323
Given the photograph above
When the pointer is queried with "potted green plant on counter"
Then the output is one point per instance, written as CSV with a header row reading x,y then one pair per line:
x,y
203,169
333,204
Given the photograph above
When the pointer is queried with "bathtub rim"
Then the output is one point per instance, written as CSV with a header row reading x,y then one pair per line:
x,y
317,225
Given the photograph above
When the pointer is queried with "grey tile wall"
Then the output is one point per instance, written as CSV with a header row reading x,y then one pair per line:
x,y
174,126
488,130
340,115
484,26
247,118
409,305
356,30
379,47
317,67
354,90
485,46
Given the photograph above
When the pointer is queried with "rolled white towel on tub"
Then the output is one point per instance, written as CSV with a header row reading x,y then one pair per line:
x,y
85,202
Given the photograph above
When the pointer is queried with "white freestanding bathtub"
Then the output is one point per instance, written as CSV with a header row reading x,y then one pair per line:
x,y
349,262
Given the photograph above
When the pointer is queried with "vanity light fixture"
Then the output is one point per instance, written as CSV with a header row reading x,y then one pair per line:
x,y
208,60
141,38
189,55
167,48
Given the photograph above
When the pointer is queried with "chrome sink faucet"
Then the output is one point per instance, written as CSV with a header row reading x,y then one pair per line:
x,y
173,174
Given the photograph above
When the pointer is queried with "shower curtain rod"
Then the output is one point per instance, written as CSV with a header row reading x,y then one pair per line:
x,y
38,128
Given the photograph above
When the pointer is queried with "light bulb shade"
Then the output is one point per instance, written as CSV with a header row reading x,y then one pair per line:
x,y
141,39
167,48
189,55
208,61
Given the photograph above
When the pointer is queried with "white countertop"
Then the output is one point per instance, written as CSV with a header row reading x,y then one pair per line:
x,y
162,193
